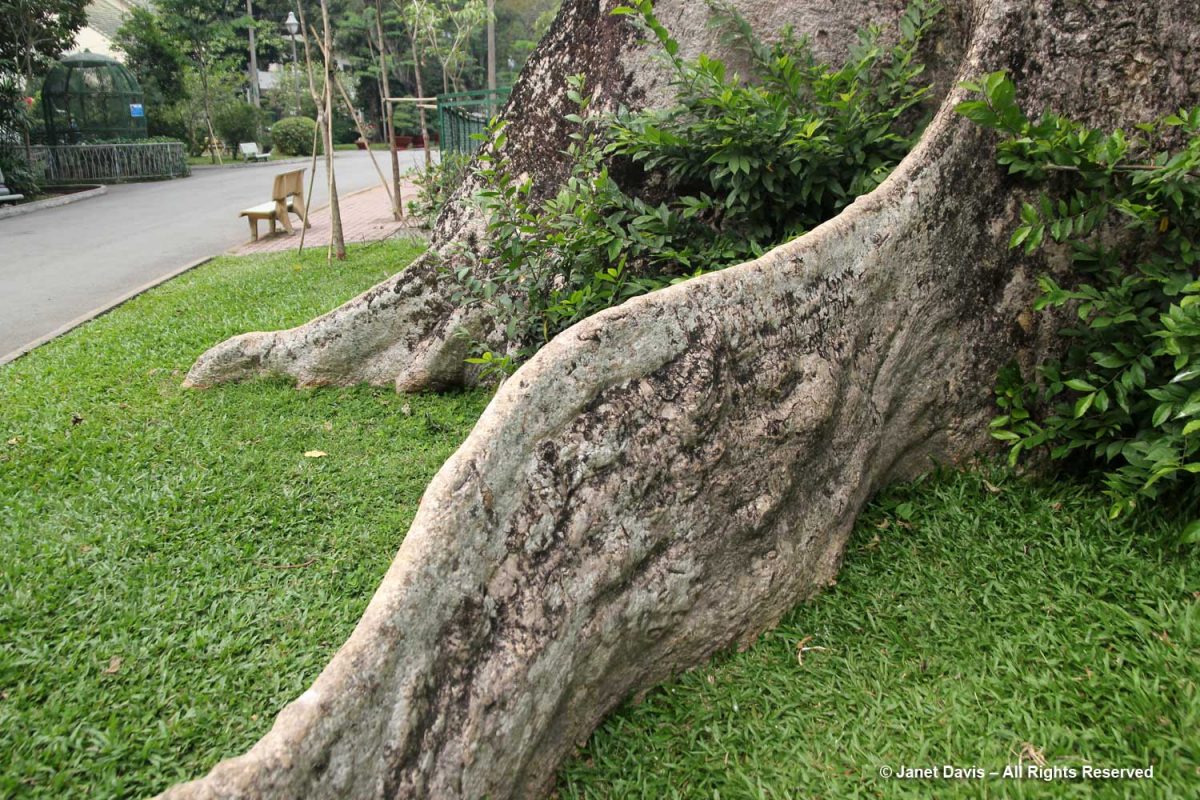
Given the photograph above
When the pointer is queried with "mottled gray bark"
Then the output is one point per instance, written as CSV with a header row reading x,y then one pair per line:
x,y
669,477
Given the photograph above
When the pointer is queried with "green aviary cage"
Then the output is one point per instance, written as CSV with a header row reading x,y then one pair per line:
x,y
87,97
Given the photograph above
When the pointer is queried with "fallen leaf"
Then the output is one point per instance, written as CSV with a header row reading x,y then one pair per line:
x,y
406,410
991,487
15,440
76,419
328,425
315,454
114,664
1028,751
803,648
800,649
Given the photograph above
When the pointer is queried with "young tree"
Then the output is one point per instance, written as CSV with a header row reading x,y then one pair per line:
x,y
155,57
413,36
444,29
35,32
32,34
670,476
203,30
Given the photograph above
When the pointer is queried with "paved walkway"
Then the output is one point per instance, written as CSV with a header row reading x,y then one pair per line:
x,y
61,264
366,217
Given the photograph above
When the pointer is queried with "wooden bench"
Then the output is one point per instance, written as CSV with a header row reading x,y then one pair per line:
x,y
287,195
250,152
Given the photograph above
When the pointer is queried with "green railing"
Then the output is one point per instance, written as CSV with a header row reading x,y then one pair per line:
x,y
110,163
461,115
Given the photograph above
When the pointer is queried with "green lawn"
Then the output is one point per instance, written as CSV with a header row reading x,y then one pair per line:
x,y
374,146
149,624
1002,621
226,160
175,570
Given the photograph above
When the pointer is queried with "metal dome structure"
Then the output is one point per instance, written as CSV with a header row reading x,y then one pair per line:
x,y
88,96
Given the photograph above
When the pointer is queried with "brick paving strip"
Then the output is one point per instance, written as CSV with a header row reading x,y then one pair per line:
x,y
366,217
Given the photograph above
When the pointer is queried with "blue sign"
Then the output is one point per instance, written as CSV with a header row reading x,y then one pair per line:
x,y
136,110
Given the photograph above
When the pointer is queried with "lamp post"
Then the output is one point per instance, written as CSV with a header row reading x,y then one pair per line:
x,y
293,27
253,67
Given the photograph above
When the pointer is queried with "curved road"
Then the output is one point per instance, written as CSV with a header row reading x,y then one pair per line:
x,y
59,264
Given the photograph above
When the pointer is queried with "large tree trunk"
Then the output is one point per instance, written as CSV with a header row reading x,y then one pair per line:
x,y
403,331
669,477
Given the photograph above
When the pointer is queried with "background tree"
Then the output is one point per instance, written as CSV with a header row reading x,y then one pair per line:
x,y
35,32
32,34
205,34
442,29
158,61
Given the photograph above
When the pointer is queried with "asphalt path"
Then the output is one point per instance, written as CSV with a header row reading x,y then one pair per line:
x,y
59,264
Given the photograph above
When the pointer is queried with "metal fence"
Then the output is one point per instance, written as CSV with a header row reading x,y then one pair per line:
x,y
109,163
461,115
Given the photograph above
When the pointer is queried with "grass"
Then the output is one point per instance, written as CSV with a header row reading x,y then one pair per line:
x,y
175,570
978,621
149,621
227,160
374,146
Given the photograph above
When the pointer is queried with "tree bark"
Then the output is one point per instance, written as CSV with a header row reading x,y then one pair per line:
x,y
669,477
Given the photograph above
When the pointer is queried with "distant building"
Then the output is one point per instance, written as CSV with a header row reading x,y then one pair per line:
x,y
104,18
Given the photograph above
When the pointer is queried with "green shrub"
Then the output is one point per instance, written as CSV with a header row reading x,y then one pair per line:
x,y
748,165
237,122
293,136
344,130
406,120
1126,392
436,184
15,121
18,175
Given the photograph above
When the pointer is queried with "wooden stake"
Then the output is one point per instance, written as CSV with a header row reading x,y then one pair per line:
x,y
389,126
337,242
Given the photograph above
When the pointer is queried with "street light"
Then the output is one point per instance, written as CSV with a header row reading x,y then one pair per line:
x,y
293,27
255,93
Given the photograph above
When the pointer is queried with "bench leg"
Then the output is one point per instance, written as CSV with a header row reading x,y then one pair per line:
x,y
253,228
301,211
273,230
281,213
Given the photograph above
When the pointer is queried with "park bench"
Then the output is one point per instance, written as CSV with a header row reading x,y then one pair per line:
x,y
6,194
250,152
287,195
